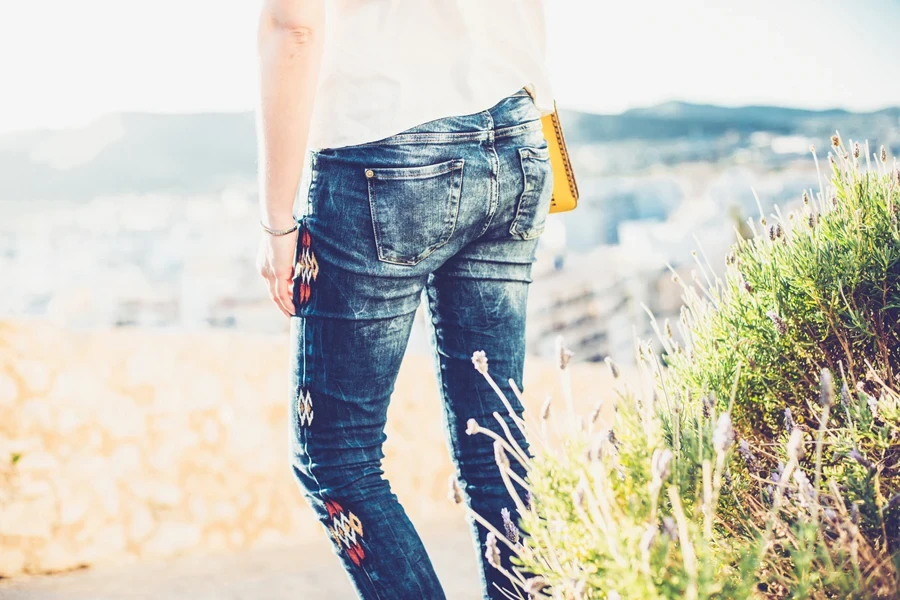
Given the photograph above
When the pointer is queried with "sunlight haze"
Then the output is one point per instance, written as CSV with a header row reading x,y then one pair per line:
x,y
63,64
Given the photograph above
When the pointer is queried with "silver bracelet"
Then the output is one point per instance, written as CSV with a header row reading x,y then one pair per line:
x,y
278,232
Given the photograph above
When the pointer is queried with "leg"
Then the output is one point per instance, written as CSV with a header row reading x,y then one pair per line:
x,y
338,417
348,343
477,302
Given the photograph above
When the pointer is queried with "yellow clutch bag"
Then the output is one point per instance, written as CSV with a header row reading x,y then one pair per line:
x,y
565,190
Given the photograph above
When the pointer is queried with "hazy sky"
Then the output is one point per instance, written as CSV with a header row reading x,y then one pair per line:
x,y
63,63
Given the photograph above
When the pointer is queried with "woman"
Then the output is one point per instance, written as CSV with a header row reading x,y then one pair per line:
x,y
418,123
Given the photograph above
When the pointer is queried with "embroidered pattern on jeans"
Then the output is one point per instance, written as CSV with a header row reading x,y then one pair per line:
x,y
307,268
304,408
346,530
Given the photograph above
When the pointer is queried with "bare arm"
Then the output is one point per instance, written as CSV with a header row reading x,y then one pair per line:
x,y
290,49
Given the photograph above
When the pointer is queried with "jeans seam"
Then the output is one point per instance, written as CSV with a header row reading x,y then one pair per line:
x,y
494,160
440,364
320,496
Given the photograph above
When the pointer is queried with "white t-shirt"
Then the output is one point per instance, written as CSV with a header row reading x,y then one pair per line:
x,y
390,65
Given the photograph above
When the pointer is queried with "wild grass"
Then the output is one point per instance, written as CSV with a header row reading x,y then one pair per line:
x,y
758,455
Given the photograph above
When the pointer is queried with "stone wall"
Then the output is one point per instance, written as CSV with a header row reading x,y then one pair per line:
x,y
127,444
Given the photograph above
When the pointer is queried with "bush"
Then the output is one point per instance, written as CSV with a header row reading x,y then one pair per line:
x,y
818,289
799,345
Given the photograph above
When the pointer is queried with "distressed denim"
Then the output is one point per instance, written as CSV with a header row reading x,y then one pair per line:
x,y
451,210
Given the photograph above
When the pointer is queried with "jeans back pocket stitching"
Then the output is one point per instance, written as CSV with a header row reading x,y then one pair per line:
x,y
455,168
514,227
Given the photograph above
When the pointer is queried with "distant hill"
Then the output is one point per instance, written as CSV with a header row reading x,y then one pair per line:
x,y
129,153
681,119
140,153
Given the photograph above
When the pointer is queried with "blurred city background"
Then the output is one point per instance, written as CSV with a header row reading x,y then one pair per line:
x,y
143,367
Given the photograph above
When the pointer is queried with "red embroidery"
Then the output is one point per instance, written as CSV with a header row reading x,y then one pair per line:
x,y
307,268
346,530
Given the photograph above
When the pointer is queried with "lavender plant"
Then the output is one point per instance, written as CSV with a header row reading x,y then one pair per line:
x,y
819,287
759,456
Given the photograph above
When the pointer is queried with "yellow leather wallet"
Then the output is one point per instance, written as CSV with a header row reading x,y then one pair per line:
x,y
565,190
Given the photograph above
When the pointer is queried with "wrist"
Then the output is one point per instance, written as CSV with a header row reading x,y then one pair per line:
x,y
277,221
279,232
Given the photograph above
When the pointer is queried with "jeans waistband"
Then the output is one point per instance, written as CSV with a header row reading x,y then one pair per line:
x,y
514,115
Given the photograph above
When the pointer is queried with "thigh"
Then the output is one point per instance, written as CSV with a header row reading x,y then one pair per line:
x,y
354,315
477,302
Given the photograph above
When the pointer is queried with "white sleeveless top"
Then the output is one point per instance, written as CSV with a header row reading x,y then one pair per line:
x,y
390,65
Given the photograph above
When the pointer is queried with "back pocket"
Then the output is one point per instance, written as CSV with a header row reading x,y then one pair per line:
x,y
414,209
537,190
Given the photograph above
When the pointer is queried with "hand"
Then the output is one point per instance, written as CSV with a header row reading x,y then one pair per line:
x,y
275,263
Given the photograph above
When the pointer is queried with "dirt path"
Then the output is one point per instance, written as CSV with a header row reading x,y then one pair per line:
x,y
302,572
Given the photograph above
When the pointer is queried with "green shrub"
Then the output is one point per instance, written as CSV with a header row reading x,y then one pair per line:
x,y
817,289
799,345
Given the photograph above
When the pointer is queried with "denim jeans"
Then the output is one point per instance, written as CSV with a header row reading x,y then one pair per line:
x,y
452,208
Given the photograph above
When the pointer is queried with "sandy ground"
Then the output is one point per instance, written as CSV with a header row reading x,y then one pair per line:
x,y
301,572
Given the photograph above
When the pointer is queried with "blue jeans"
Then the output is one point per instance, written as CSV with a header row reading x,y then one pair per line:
x,y
453,208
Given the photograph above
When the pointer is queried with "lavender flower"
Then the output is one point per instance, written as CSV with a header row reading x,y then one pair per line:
x,y
747,455
857,456
795,445
613,367
545,408
455,491
479,359
709,403
872,403
826,393
512,532
565,355
535,585
780,325
492,552
723,435
670,528
804,487
579,494
789,421
597,411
